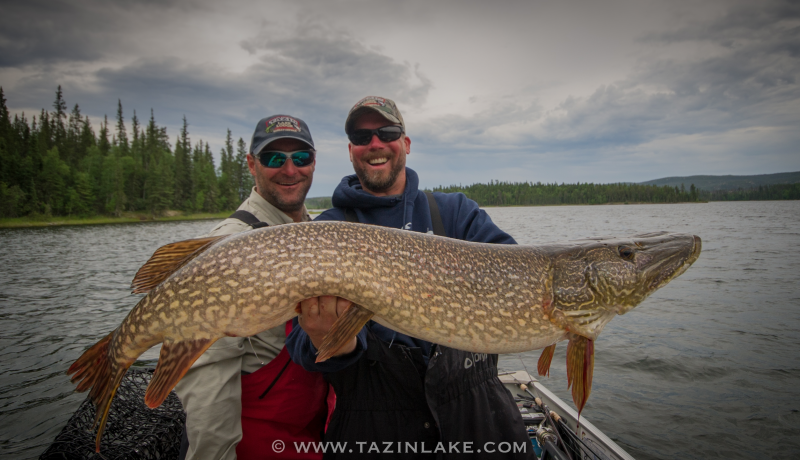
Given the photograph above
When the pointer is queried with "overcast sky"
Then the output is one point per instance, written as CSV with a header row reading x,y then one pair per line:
x,y
553,91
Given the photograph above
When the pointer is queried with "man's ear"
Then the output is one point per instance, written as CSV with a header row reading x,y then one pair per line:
x,y
251,164
407,140
350,151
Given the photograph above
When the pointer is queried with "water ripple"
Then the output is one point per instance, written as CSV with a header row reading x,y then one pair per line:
x,y
705,368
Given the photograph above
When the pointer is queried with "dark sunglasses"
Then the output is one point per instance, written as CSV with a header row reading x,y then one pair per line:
x,y
385,134
274,159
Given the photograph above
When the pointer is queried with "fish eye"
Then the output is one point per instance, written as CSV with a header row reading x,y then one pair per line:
x,y
626,252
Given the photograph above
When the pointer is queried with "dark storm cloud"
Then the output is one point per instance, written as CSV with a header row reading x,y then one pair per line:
x,y
326,67
45,31
315,74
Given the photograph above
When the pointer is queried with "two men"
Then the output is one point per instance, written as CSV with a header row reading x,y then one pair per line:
x,y
243,394
392,388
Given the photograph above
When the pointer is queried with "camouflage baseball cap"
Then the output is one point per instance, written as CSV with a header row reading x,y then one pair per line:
x,y
385,107
279,127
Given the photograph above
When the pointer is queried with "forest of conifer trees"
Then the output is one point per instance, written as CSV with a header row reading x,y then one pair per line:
x,y
56,165
497,193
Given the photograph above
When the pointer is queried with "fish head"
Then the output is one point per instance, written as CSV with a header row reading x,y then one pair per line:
x,y
596,279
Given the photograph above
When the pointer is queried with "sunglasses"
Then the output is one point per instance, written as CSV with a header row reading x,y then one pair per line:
x,y
273,159
385,134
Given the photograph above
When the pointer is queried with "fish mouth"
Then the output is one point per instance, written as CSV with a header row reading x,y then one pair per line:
x,y
665,257
675,263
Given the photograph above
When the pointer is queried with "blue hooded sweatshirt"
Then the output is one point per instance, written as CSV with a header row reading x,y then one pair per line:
x,y
462,219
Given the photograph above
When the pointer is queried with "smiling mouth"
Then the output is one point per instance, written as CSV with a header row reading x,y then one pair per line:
x,y
378,161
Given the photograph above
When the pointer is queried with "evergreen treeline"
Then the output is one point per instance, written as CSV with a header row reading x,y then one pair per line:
x,y
57,165
763,192
497,193
320,202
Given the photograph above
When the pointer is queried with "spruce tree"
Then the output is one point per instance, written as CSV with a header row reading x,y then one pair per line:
x,y
102,142
136,147
5,120
71,146
8,152
59,116
184,185
87,136
228,193
122,134
242,177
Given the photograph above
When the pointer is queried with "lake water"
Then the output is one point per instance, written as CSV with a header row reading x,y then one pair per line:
x,y
707,367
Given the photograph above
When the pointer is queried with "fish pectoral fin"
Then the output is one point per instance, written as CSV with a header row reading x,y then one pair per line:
x,y
167,260
545,359
580,367
174,361
343,331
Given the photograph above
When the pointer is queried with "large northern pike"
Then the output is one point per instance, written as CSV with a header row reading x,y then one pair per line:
x,y
472,296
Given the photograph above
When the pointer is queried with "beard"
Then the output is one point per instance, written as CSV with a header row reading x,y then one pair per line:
x,y
376,181
286,202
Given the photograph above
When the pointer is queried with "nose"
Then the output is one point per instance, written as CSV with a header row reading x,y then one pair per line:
x,y
375,142
289,168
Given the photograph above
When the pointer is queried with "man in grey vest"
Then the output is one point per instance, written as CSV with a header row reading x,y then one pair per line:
x,y
226,418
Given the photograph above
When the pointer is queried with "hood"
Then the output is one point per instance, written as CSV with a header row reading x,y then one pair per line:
x,y
350,194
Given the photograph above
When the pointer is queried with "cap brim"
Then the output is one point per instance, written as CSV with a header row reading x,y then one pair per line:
x,y
362,110
261,146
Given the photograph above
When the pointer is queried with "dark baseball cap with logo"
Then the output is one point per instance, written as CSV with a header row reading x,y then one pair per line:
x,y
279,127
385,107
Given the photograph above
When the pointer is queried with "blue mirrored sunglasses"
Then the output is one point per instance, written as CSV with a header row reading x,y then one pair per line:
x,y
274,159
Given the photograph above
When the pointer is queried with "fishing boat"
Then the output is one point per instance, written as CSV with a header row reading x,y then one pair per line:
x,y
135,432
553,425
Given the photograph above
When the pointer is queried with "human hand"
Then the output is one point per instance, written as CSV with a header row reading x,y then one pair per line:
x,y
316,316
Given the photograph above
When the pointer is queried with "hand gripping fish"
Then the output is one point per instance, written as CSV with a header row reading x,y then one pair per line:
x,y
476,297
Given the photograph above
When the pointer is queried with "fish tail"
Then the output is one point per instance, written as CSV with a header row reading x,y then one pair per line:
x,y
543,366
580,368
92,366
94,370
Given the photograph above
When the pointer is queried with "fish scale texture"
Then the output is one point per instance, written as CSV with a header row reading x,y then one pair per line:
x,y
480,297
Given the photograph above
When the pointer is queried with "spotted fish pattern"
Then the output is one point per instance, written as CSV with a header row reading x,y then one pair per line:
x,y
472,296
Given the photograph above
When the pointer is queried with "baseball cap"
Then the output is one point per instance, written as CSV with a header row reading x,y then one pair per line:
x,y
385,107
279,127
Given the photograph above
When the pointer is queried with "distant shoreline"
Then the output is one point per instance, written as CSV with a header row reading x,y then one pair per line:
x,y
130,218
586,204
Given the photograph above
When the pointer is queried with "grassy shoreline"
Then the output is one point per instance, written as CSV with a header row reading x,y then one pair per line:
x,y
126,218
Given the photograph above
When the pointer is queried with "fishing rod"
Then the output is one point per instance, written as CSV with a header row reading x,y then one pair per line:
x,y
549,438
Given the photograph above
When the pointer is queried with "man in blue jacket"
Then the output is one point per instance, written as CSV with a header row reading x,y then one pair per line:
x,y
394,391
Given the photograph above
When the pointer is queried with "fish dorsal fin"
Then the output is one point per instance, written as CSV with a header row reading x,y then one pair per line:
x,y
167,260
